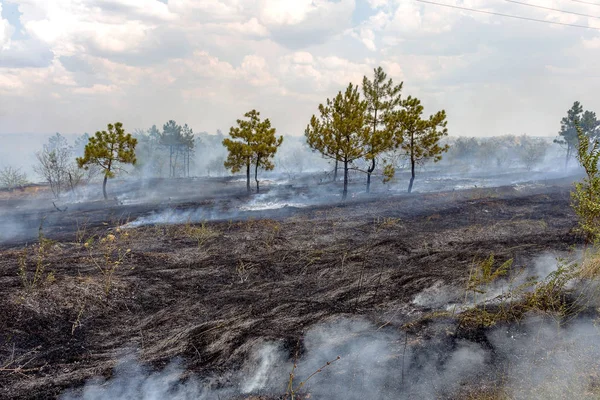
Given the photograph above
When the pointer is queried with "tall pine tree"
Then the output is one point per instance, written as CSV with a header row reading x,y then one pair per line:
x,y
418,138
340,133
382,98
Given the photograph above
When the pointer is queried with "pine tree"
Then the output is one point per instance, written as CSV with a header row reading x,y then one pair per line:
x,y
340,133
382,98
107,150
568,130
172,138
187,142
590,125
418,138
586,197
575,120
252,142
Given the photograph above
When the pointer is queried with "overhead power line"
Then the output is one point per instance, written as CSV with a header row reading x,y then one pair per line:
x,y
552,9
586,2
508,15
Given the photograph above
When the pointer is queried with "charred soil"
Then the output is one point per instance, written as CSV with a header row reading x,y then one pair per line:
x,y
210,292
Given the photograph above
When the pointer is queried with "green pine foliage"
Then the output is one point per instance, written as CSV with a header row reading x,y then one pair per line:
x,y
108,150
418,138
382,97
340,132
252,142
577,119
586,197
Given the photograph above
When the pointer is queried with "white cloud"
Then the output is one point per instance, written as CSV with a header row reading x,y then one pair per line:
x,y
251,27
6,31
207,62
377,3
287,12
207,10
256,71
592,43
97,89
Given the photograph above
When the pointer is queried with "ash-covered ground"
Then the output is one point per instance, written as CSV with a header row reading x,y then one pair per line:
x,y
231,287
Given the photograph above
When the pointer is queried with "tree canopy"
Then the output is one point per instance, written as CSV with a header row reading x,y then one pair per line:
x,y
252,141
108,149
340,132
55,165
180,142
586,197
418,138
382,97
576,119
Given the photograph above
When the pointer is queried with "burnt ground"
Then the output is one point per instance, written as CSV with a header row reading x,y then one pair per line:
x,y
208,293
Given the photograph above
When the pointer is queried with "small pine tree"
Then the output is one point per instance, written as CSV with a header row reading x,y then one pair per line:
x,y
382,98
418,138
108,149
586,197
252,142
341,133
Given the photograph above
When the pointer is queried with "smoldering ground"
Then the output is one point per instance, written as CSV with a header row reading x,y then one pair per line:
x,y
178,294
536,359
146,200
539,358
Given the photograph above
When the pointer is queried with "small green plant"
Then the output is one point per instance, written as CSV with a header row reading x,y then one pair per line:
x,y
243,271
113,255
385,223
550,295
77,322
81,232
273,229
586,197
200,233
483,274
40,261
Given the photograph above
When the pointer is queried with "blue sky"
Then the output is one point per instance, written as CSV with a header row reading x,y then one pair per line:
x,y
10,12
75,65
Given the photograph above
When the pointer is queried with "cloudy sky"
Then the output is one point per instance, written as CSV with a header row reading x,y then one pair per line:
x,y
72,66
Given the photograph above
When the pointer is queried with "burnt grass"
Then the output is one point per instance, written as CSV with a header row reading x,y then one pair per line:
x,y
253,280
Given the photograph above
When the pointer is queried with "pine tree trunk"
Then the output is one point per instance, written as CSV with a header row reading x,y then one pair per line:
x,y
170,161
372,167
412,177
335,171
369,172
345,193
412,163
104,187
568,155
175,162
248,177
256,175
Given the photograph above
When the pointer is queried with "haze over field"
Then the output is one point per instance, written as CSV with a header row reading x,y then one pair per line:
x,y
294,199
72,65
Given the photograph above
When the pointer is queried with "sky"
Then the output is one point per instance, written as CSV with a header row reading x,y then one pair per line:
x,y
73,66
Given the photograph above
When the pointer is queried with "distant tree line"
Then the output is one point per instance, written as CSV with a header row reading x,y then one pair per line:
x,y
499,152
368,129
171,148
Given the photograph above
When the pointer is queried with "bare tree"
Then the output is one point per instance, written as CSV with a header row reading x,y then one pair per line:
x,y
12,178
532,151
56,165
